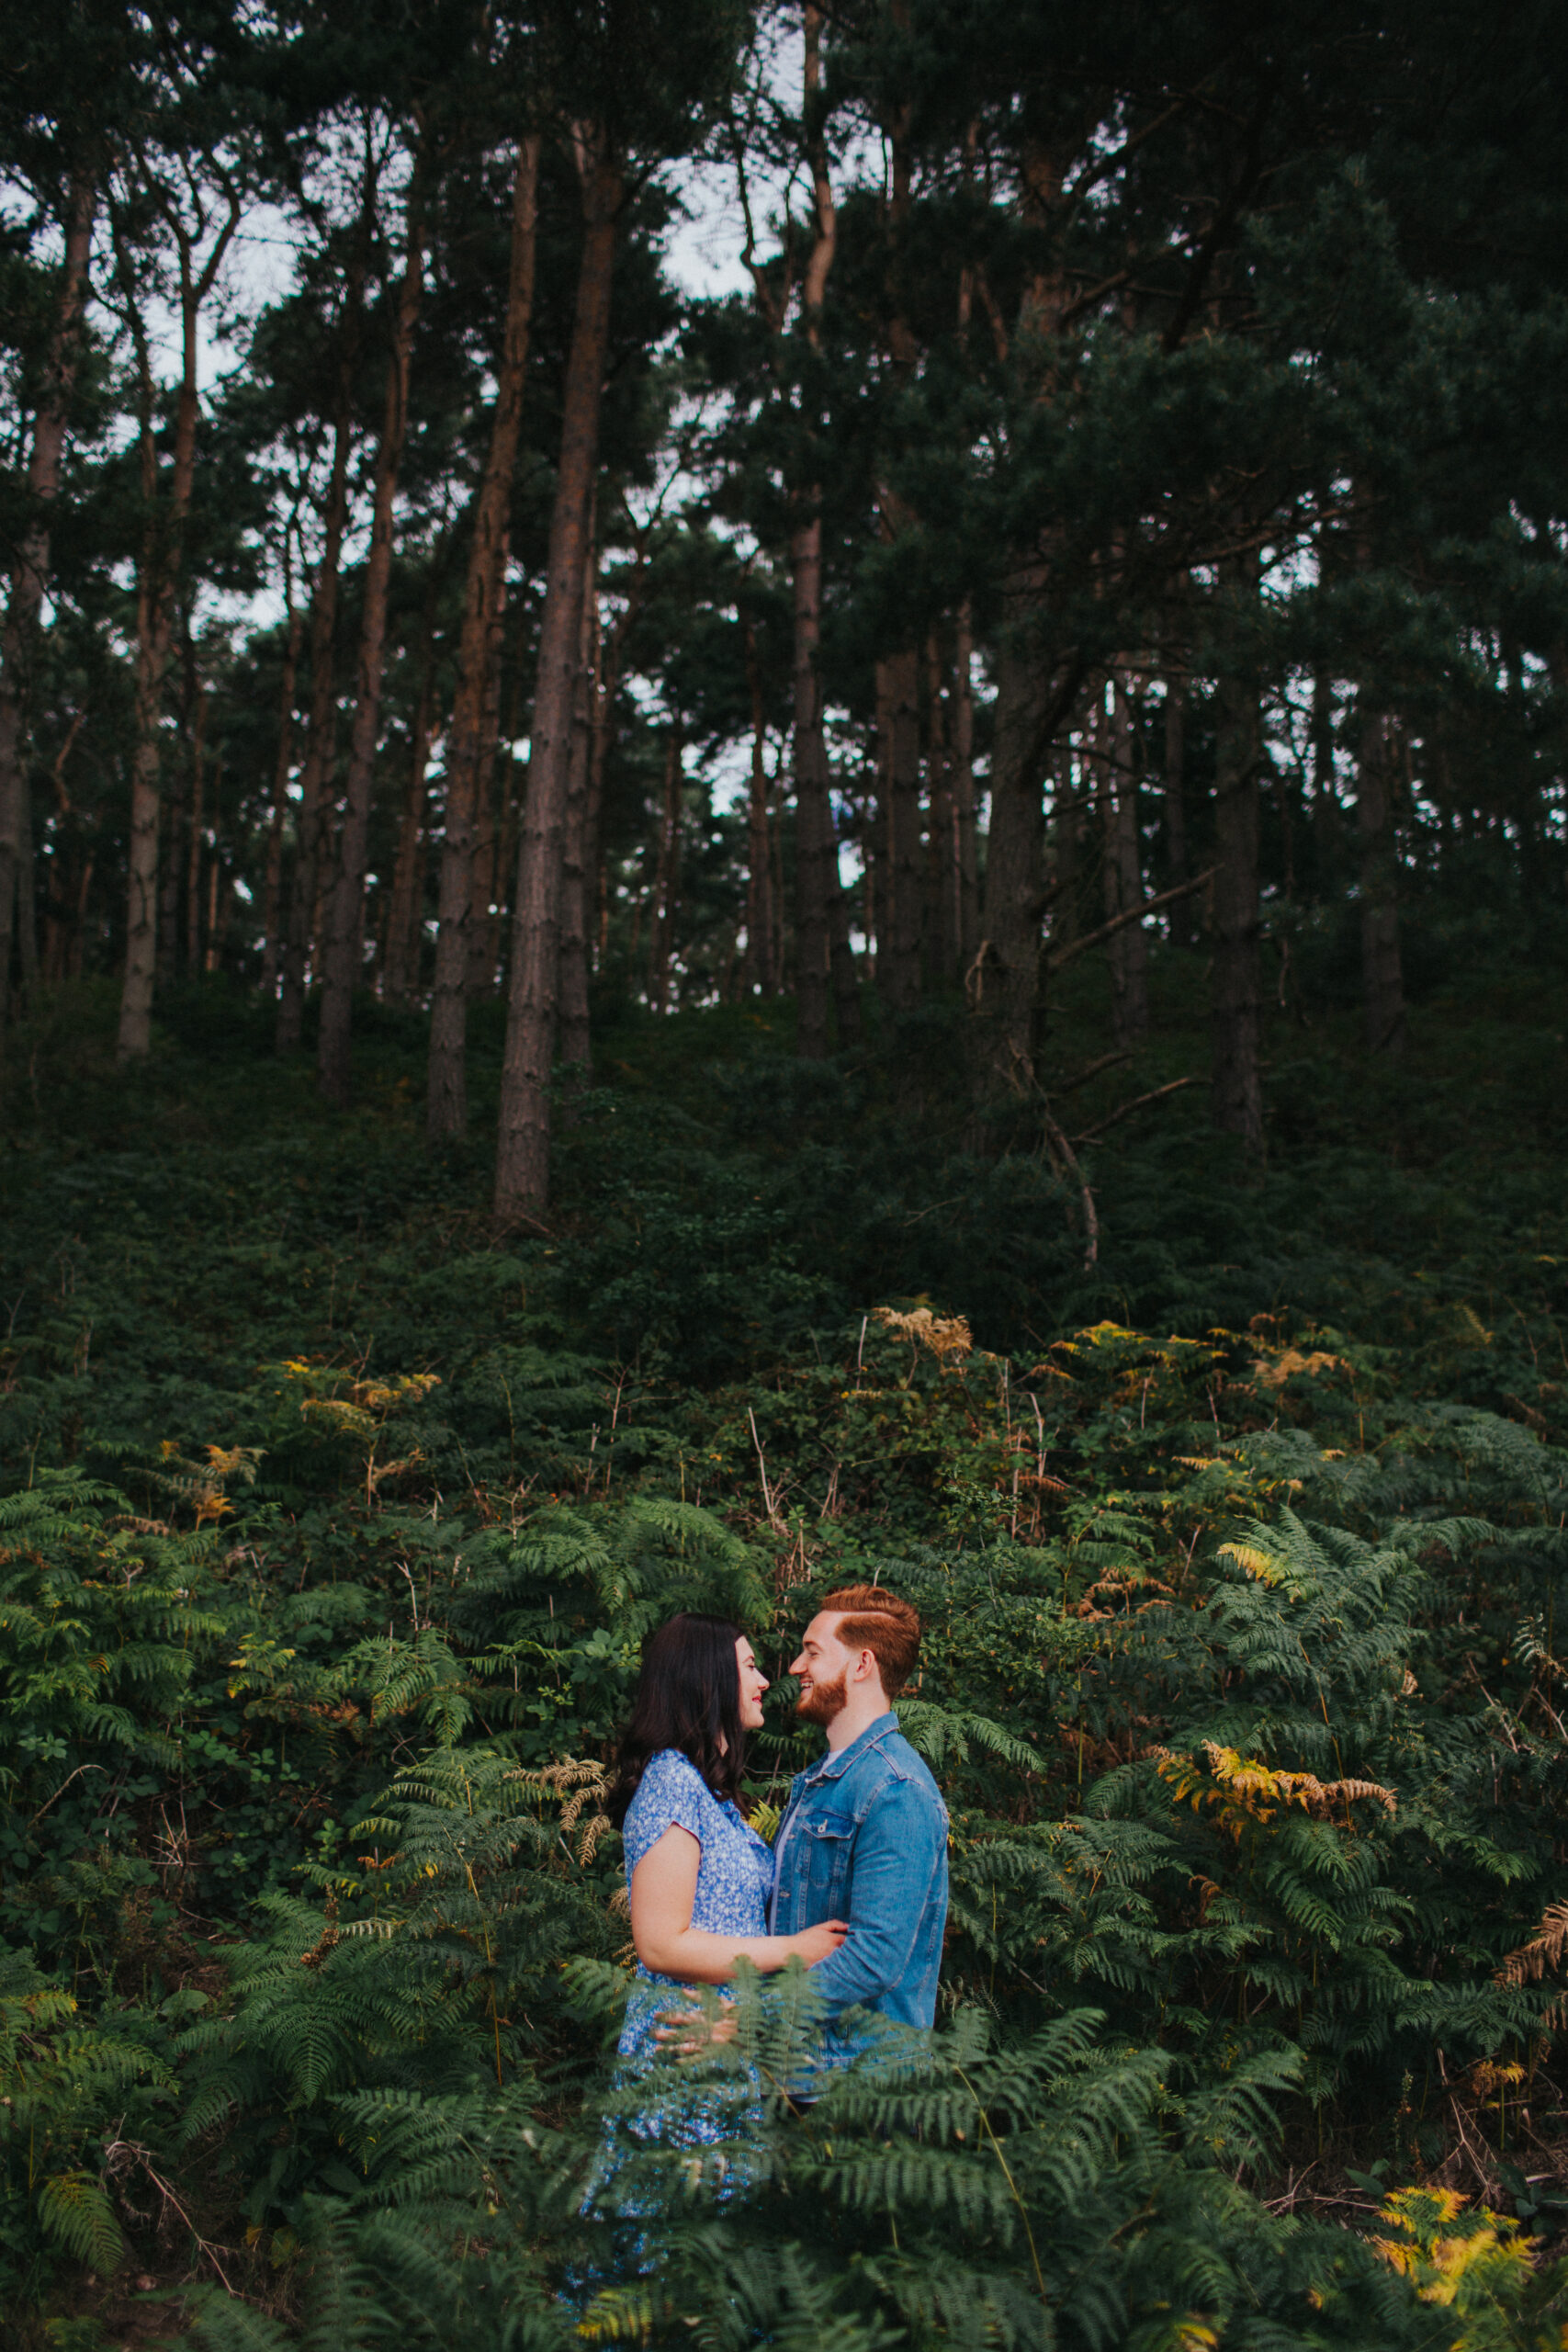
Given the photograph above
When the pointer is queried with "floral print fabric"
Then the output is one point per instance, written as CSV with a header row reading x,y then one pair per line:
x,y
735,1875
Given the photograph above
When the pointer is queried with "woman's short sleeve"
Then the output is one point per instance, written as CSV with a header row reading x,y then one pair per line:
x,y
670,1789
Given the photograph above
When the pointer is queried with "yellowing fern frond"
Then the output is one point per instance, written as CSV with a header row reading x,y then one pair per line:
x,y
1243,1790
1470,2262
1275,1369
945,1335
1264,1568
1544,1950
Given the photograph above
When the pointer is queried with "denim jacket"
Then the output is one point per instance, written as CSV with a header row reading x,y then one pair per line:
x,y
864,1838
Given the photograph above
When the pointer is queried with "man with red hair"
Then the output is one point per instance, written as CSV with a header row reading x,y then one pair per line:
x,y
864,1834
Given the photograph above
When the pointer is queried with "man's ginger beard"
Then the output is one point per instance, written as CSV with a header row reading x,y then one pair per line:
x,y
823,1702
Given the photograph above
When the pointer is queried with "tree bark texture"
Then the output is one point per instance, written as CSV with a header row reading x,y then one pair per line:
x,y
815,844
479,664
898,681
272,887
1235,1100
1006,990
760,969
1128,949
1174,790
823,953
1382,979
574,1045
400,970
667,878
523,1154
30,575
158,573
313,819
898,965
342,950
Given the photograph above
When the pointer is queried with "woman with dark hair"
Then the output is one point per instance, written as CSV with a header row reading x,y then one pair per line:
x,y
698,1878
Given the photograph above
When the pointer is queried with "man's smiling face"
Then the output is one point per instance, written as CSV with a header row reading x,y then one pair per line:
x,y
823,1668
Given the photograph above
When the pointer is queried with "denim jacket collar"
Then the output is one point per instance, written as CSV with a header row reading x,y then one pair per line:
x,y
837,1761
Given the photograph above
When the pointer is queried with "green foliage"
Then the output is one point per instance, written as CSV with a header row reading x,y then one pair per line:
x,y
324,1563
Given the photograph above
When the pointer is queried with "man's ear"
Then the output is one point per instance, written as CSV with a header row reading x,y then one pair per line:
x,y
865,1666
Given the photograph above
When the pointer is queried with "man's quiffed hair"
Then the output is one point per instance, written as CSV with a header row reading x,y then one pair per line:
x,y
878,1621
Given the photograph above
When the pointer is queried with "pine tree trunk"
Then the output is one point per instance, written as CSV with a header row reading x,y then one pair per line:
x,y
667,880
815,848
758,969
943,891
313,817
30,573
1008,990
399,981
1236,1104
197,737
822,949
313,810
342,950
159,571
898,966
486,889
461,912
523,1154
899,686
574,1045
1174,792
271,890
1383,979
1129,947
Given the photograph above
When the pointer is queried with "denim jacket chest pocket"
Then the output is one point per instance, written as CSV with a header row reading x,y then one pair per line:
x,y
828,1840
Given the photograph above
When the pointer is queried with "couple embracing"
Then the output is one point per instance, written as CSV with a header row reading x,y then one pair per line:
x,y
855,1885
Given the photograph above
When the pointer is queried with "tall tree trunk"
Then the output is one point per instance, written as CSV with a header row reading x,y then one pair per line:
x,y
523,1154
272,888
198,740
179,814
158,573
822,941
479,664
313,813
210,949
1383,979
815,844
1236,1103
1129,947
667,882
30,575
343,953
943,894
399,979
484,873
761,974
1174,790
574,1045
899,683
1008,989
898,965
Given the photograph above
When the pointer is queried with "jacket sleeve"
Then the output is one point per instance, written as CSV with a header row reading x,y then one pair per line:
x,y
898,1848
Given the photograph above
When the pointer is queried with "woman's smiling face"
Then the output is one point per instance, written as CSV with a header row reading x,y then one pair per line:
x,y
753,1682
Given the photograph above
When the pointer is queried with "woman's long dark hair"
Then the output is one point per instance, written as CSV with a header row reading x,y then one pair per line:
x,y
689,1698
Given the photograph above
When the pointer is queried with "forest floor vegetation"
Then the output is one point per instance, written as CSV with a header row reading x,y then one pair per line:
x,y
330,1520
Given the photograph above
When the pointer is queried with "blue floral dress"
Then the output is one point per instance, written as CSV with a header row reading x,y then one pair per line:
x,y
655,2096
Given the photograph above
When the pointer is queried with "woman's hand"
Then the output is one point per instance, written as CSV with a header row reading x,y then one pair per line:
x,y
820,1942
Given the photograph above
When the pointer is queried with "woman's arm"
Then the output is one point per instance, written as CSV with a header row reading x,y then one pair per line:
x,y
664,1889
